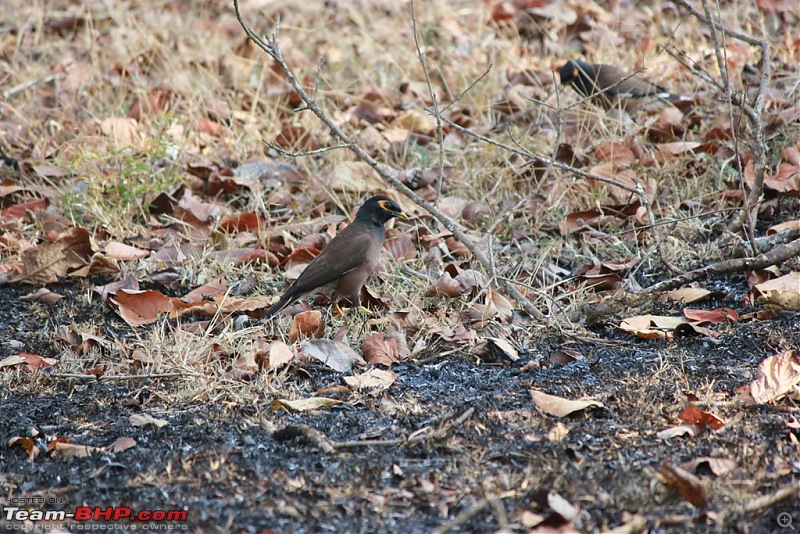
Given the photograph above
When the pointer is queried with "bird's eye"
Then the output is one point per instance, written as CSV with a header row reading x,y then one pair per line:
x,y
384,205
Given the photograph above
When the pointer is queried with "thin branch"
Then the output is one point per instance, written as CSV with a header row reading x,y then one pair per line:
x,y
288,154
527,154
423,61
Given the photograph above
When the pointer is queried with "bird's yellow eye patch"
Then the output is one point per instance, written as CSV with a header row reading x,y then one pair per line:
x,y
384,204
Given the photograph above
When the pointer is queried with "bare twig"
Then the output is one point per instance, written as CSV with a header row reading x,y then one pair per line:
x,y
792,491
423,61
288,154
272,48
328,445
20,87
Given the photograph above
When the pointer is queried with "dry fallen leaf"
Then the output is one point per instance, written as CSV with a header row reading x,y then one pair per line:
x,y
717,315
68,450
121,251
778,376
279,354
718,466
558,406
304,405
680,430
685,484
558,432
383,348
121,444
143,419
139,308
335,354
377,379
562,506
26,443
783,292
686,295
306,324
695,416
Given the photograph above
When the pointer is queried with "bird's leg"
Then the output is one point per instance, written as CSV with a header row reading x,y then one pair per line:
x,y
337,310
356,300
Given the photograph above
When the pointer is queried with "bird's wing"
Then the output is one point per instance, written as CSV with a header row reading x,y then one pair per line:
x,y
345,252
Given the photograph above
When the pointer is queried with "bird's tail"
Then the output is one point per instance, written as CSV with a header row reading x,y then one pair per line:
x,y
284,301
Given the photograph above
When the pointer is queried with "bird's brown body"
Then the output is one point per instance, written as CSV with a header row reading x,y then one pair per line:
x,y
610,86
345,264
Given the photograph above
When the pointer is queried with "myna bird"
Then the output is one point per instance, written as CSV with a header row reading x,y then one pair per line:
x,y
611,86
351,257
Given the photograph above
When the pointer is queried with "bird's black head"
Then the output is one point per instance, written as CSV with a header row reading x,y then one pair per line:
x,y
573,71
379,209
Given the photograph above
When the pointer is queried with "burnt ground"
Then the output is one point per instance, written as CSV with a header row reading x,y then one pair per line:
x,y
479,445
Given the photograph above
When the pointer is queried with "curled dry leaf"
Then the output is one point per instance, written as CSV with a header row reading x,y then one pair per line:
x,y
144,419
48,261
718,466
558,406
497,303
685,484
139,308
778,376
307,324
353,177
558,432
502,347
400,245
651,326
26,443
416,121
124,131
104,292
457,248
565,356
10,361
694,415
43,296
120,251
680,430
